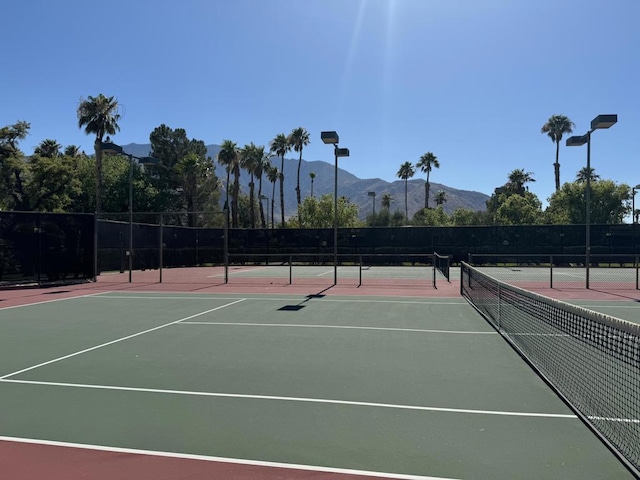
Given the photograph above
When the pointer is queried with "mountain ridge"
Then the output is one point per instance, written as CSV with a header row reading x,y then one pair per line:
x,y
349,185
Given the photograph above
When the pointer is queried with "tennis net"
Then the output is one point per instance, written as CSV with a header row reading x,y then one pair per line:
x,y
591,360
442,263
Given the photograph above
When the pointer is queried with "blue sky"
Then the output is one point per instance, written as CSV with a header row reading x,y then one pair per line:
x,y
471,81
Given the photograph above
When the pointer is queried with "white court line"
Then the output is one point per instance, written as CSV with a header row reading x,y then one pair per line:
x,y
239,271
574,275
117,340
54,300
292,399
609,305
206,458
324,273
345,327
282,299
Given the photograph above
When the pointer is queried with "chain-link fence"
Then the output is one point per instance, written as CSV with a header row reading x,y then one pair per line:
x,y
43,248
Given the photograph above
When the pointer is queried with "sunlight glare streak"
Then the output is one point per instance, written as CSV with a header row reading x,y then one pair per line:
x,y
348,68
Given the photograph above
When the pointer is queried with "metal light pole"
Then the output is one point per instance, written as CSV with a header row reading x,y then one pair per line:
x,y
130,252
600,122
112,148
633,203
332,138
633,220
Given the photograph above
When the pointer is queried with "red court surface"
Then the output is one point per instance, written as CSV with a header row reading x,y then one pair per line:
x,y
27,461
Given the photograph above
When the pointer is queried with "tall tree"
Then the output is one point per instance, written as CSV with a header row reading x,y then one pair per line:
x,y
555,128
583,174
172,147
198,183
260,167
248,160
273,174
99,116
405,173
609,203
228,158
298,139
312,176
427,162
441,197
385,201
280,146
48,148
518,179
72,151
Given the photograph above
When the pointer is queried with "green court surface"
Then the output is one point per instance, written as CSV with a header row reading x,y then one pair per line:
x,y
411,386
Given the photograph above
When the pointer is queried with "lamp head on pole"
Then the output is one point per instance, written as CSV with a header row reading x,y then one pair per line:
x,y
147,160
342,152
372,194
577,140
329,137
603,121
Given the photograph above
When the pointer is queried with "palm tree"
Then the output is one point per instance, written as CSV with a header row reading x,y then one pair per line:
x,y
405,173
518,178
273,174
441,197
48,148
72,151
98,115
260,167
385,201
298,139
248,161
582,175
312,175
280,146
228,157
427,162
556,126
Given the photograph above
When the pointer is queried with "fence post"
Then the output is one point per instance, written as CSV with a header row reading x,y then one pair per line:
x,y
161,251
95,247
38,231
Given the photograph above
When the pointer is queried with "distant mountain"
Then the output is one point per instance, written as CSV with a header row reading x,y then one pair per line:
x,y
354,188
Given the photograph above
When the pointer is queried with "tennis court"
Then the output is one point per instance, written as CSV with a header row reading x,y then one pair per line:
x,y
276,383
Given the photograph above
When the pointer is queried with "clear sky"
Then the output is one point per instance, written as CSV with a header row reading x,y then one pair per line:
x,y
470,80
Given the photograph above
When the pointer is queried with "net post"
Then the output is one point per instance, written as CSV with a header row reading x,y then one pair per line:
x,y
551,271
290,270
636,265
161,245
433,273
461,279
360,271
499,307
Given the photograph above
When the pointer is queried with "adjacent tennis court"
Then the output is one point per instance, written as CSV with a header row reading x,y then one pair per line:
x,y
277,385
